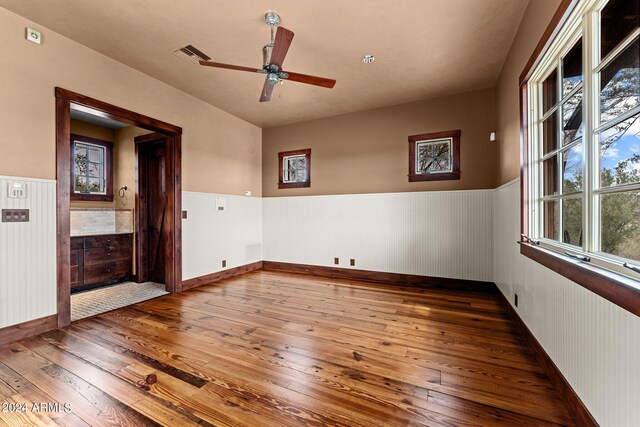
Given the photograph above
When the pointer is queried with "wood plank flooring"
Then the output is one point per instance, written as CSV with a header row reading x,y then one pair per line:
x,y
278,349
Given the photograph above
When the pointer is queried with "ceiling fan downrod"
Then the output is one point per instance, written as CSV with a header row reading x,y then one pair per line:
x,y
273,20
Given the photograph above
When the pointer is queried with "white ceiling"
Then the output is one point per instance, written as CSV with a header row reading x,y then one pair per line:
x,y
95,119
423,48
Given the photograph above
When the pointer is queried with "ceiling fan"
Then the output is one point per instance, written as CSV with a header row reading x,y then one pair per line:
x,y
273,57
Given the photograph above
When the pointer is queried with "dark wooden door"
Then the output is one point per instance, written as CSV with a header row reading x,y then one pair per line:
x,y
153,215
157,211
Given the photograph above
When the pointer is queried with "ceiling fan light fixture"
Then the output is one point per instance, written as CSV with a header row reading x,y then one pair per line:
x,y
368,59
272,79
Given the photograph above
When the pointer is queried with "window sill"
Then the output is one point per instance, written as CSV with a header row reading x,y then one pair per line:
x,y
616,288
446,176
282,185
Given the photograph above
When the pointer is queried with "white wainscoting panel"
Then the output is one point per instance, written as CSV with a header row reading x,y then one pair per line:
x,y
440,234
595,343
210,235
28,254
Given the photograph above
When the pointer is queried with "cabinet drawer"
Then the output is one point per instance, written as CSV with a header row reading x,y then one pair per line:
x,y
106,272
107,254
108,240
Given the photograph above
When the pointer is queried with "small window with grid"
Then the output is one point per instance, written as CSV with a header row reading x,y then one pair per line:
x,y
294,169
91,169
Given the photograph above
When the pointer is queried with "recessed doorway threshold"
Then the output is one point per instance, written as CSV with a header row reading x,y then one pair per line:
x,y
97,301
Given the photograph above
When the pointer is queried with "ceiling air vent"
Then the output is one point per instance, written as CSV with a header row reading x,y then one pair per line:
x,y
190,54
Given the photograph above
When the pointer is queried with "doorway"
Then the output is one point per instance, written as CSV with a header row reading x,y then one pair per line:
x,y
151,207
161,151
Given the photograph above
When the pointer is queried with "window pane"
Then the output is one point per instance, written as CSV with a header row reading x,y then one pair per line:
x,y
550,91
551,219
572,69
95,169
550,176
618,19
295,169
81,185
620,83
95,155
620,224
95,185
550,133
572,221
433,157
620,153
572,160
81,152
81,161
572,124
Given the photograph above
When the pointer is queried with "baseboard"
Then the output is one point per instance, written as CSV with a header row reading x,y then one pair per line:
x,y
382,277
220,275
28,329
576,407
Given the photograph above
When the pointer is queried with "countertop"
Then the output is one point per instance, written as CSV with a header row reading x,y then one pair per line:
x,y
101,233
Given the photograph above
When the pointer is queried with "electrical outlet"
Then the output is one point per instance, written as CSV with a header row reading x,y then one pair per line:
x,y
516,299
224,263
352,262
336,261
15,215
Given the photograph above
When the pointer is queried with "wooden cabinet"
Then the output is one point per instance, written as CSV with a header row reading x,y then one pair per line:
x,y
100,260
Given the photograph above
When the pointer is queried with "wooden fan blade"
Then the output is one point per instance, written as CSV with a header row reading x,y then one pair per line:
x,y
281,45
231,67
311,80
267,89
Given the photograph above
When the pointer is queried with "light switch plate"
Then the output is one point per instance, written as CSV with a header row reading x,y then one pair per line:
x,y
221,203
17,190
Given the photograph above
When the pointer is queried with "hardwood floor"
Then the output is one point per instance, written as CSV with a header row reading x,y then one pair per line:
x,y
270,349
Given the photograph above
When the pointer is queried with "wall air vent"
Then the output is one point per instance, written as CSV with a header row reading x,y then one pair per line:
x,y
191,54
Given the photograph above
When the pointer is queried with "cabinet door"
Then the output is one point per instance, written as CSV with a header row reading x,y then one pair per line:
x,y
76,268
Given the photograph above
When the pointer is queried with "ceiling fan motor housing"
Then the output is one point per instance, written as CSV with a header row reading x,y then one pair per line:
x,y
273,79
266,54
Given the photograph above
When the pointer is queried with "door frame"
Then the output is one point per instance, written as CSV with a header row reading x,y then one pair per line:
x,y
64,100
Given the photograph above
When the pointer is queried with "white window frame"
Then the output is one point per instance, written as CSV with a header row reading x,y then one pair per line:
x,y
285,167
584,21
103,163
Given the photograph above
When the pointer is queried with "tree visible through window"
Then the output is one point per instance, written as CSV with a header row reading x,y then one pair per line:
x,y
588,171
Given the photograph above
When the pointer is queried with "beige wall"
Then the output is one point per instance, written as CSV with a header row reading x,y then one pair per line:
x,y
92,131
221,153
124,166
368,151
535,21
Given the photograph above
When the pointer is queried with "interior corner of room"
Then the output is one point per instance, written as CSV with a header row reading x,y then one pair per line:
x,y
441,229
